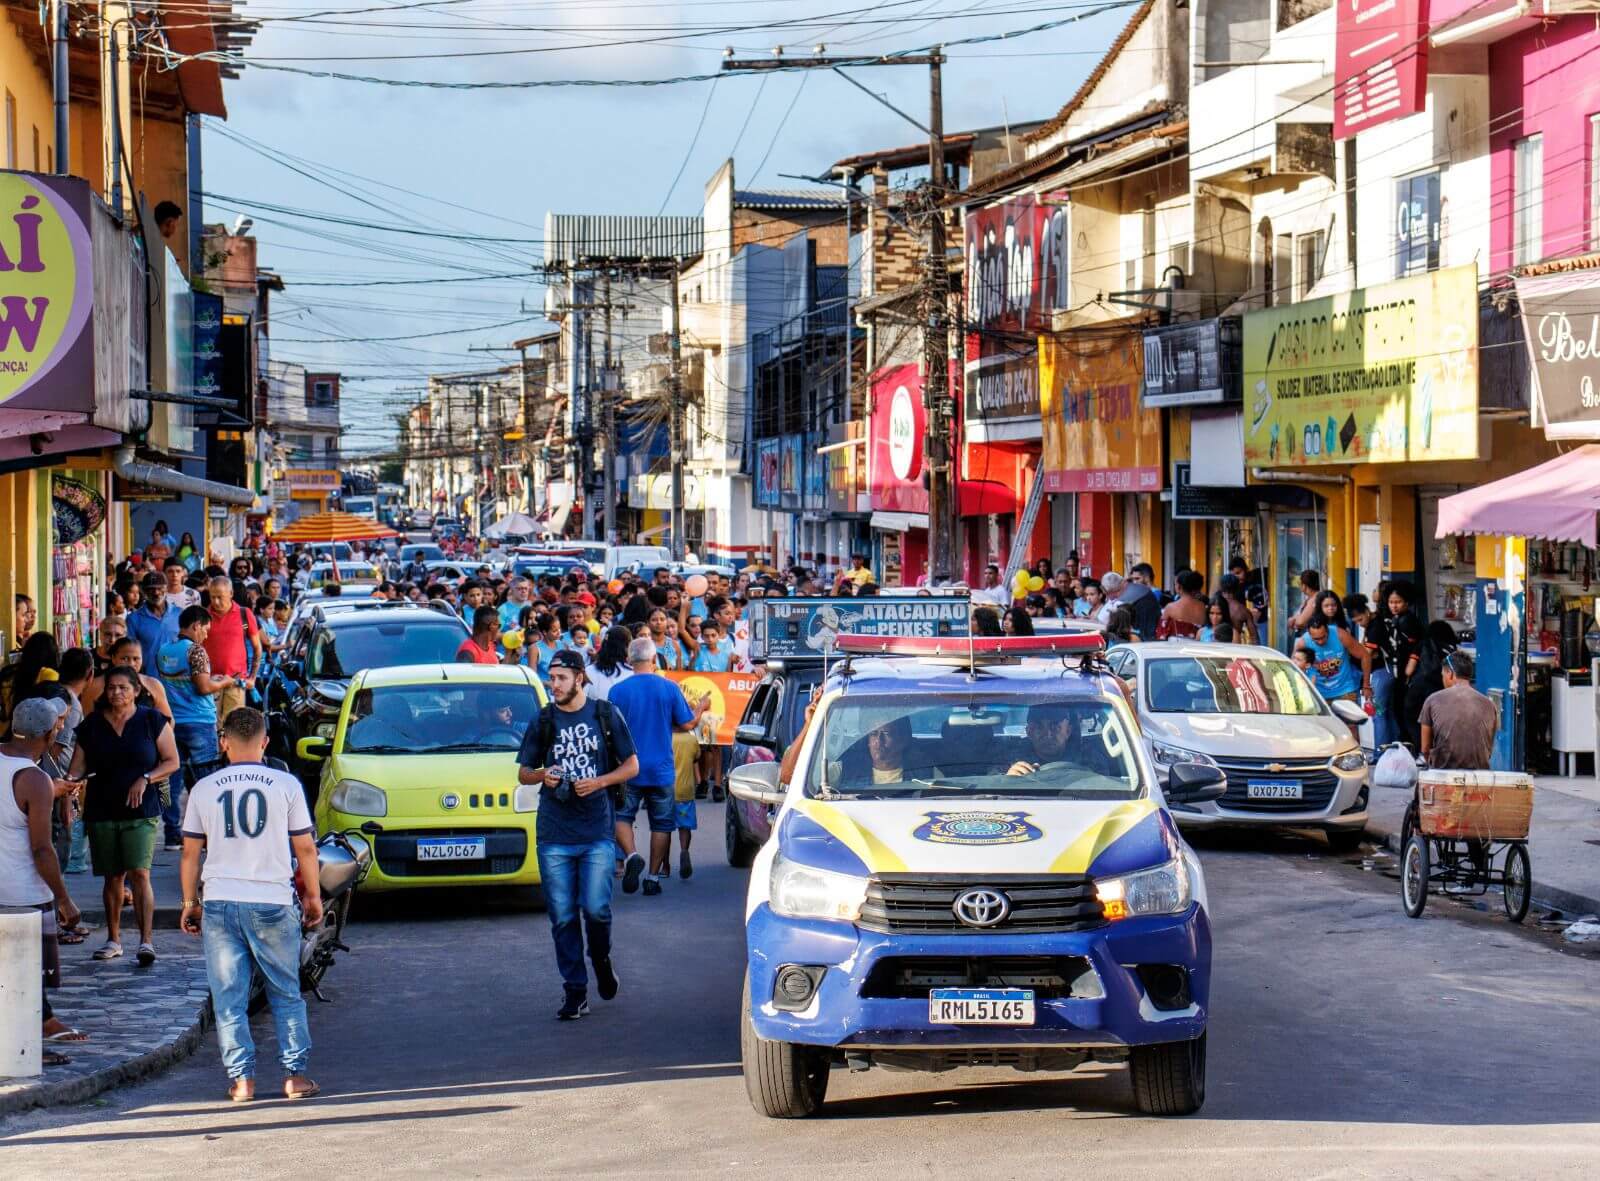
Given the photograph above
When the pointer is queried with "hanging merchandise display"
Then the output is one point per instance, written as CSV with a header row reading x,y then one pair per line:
x,y
77,512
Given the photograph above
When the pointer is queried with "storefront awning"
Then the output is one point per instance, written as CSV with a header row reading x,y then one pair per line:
x,y
1556,501
899,522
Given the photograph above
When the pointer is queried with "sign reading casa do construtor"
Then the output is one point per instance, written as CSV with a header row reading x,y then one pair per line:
x,y
1561,320
1378,375
46,296
1097,436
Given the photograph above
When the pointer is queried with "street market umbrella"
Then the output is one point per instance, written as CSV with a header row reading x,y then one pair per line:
x,y
1555,501
333,526
518,523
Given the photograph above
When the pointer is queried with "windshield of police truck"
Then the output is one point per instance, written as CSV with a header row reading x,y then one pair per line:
x,y
1228,685
924,747
432,719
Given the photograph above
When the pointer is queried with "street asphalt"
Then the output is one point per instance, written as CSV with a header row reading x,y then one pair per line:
x,y
1346,1041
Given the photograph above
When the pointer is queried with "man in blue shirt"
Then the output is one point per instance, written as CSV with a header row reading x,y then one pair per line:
x,y
653,709
577,750
155,622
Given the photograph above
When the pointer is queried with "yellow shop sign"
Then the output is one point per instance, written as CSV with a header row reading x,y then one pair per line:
x,y
1377,375
46,345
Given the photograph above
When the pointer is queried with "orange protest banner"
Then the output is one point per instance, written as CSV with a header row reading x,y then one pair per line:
x,y
729,693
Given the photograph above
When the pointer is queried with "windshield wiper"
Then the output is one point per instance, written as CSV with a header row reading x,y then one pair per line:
x,y
460,746
381,750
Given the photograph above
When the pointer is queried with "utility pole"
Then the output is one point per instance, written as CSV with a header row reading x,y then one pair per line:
x,y
608,426
675,421
936,347
935,286
60,82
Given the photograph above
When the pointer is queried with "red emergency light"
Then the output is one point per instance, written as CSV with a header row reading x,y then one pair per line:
x,y
1072,643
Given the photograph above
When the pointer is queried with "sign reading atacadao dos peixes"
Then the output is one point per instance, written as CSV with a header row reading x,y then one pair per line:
x,y
1376,375
46,293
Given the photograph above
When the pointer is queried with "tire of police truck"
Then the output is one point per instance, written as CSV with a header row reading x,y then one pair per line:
x,y
783,1080
1169,1078
740,848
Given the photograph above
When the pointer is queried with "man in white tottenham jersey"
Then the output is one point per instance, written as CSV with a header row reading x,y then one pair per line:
x,y
248,818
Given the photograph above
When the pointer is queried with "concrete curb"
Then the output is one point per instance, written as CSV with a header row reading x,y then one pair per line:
x,y
76,1090
1544,894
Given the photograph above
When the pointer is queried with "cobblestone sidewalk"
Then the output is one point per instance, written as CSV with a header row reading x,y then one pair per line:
x,y
139,1020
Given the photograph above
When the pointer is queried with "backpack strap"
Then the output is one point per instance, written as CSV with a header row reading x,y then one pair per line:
x,y
546,734
602,717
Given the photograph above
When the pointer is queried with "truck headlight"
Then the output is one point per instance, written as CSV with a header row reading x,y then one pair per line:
x,y
1351,760
355,798
526,798
804,892
1165,755
1161,890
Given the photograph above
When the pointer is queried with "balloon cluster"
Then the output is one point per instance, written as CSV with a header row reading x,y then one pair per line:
x,y
1024,583
511,639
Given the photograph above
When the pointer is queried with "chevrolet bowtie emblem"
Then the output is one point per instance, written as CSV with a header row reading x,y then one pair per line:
x,y
1277,767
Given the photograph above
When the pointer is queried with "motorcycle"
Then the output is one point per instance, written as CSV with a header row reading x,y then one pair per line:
x,y
343,859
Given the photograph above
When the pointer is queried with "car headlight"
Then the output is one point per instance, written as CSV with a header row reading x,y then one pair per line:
x,y
804,892
355,798
1351,760
1161,890
1165,755
325,729
525,798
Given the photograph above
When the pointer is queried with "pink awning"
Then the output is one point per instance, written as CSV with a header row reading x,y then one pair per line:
x,y
1556,501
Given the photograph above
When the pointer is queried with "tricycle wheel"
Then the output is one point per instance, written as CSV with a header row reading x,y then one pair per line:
x,y
1408,825
1518,882
1414,871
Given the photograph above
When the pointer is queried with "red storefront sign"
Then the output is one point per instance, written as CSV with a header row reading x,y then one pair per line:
x,y
895,439
1380,63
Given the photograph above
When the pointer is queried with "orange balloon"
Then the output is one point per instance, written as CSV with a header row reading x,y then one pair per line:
x,y
696,585
615,586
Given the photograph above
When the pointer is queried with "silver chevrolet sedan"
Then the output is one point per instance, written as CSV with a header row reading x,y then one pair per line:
x,y
1290,757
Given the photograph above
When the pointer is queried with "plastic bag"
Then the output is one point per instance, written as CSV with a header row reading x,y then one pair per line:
x,y
1395,768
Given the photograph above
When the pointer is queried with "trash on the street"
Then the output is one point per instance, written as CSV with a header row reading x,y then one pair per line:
x,y
1583,931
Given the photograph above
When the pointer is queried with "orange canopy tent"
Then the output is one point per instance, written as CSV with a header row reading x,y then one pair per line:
x,y
333,526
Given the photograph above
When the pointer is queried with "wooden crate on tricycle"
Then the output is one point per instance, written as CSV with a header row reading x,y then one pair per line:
x,y
1474,805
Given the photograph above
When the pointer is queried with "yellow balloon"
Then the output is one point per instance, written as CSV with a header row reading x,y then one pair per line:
x,y
1020,579
511,639
1036,583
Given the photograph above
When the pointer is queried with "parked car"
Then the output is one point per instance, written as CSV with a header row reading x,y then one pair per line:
x,y
313,674
772,718
1289,756
429,753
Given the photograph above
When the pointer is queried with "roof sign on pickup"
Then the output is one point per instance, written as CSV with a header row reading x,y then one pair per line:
x,y
808,628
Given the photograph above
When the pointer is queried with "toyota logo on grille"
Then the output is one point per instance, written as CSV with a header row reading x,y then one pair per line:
x,y
981,908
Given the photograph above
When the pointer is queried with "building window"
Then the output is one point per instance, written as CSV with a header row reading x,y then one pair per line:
x,y
36,148
11,130
1310,251
1594,182
322,393
1527,191
1417,217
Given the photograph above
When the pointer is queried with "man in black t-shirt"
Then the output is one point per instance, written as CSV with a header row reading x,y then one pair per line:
x,y
577,749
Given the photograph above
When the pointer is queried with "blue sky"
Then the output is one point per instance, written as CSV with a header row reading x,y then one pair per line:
x,y
489,163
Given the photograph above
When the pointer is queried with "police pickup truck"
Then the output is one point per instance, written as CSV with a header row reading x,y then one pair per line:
x,y
973,865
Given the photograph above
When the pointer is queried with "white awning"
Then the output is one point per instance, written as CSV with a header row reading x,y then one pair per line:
x,y
899,522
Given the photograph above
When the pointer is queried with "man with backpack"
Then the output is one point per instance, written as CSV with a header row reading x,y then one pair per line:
x,y
579,751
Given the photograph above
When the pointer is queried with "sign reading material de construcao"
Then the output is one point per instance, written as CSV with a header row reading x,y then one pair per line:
x,y
46,300
1377,375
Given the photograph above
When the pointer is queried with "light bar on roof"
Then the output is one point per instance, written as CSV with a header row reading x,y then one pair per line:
x,y
1075,643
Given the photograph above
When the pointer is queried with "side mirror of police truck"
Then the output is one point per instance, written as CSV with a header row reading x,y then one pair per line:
x,y
758,783
1195,783
754,734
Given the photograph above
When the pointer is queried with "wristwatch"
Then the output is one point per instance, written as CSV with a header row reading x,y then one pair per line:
x,y
188,902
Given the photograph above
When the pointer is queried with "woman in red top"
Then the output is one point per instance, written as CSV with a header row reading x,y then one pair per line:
x,y
483,645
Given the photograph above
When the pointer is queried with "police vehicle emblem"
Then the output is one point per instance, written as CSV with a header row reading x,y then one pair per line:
x,y
977,828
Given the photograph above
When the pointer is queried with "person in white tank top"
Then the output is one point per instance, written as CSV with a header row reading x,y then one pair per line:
x,y
30,874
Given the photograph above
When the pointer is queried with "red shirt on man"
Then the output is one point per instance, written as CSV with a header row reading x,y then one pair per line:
x,y
470,653
226,643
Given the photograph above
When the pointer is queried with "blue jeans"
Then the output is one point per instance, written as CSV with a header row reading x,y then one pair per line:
x,y
1385,723
197,746
238,935
578,877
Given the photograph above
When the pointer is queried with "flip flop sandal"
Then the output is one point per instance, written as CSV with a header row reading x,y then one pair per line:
x,y
51,1058
70,936
306,1094
235,1095
67,1035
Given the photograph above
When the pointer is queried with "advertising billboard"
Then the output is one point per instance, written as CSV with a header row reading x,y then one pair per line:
x,y
1192,364
46,293
801,628
767,473
895,435
1097,435
1380,67
1377,375
1016,264
1561,320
